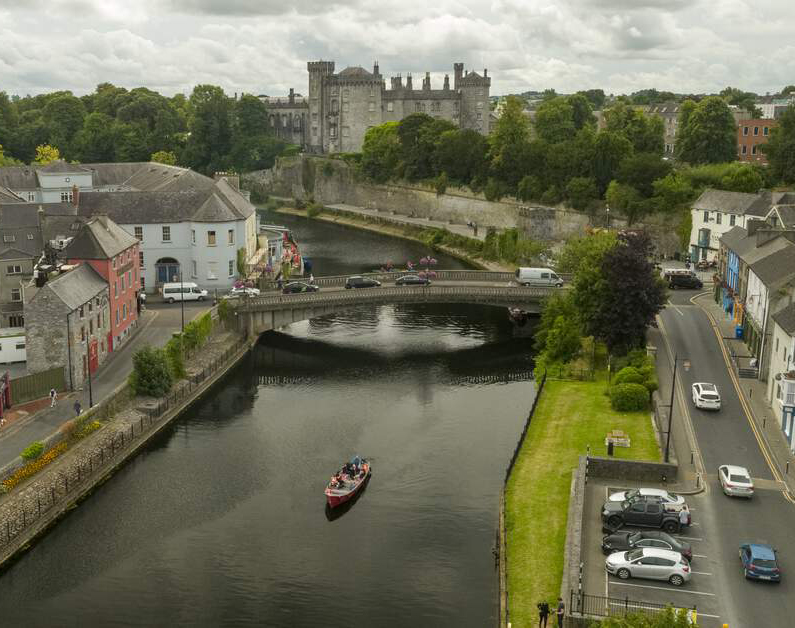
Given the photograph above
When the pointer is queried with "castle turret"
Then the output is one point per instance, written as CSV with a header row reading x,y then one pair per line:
x,y
397,82
291,97
376,73
458,73
426,82
408,82
447,82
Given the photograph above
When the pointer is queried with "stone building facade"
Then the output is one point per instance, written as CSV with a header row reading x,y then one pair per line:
x,y
67,323
340,107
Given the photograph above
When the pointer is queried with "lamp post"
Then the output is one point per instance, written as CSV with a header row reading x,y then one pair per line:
x,y
686,365
182,298
90,392
607,212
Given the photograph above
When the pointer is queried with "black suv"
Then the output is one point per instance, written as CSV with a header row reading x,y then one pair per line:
x,y
647,512
683,281
358,281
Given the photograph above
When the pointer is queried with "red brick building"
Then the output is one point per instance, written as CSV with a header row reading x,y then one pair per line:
x,y
113,253
750,134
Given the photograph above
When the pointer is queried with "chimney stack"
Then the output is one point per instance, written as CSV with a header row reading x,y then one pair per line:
x,y
408,82
75,196
376,73
446,82
292,96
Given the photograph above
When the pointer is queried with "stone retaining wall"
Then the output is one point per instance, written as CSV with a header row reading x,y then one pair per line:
x,y
637,470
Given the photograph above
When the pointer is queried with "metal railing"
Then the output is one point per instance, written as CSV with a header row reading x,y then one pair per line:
x,y
600,606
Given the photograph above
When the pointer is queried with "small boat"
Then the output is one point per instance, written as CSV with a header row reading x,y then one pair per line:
x,y
348,481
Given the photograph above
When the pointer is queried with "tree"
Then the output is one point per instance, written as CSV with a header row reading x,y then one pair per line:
x,y
64,116
251,117
95,141
554,121
674,192
9,120
610,149
462,154
780,148
419,134
381,151
646,133
632,294
529,188
626,199
7,161
210,125
743,178
789,89
709,134
558,306
582,193
582,114
151,374
46,154
255,153
596,97
641,170
164,157
511,152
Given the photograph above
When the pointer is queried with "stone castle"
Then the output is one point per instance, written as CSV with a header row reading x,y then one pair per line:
x,y
341,107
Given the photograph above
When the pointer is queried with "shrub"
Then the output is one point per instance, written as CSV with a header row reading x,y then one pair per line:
x,y
299,203
313,210
33,451
176,362
33,467
151,372
440,183
651,385
552,196
629,397
628,375
88,428
493,190
224,310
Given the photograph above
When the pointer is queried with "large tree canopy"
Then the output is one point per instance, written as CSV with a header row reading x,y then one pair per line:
x,y
780,148
707,133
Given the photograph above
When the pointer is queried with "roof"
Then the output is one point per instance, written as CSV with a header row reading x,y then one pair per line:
x,y
75,287
786,319
765,552
729,202
19,177
8,196
787,214
100,238
60,166
355,71
16,253
734,238
776,267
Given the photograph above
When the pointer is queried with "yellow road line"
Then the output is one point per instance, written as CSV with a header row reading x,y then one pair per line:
x,y
746,407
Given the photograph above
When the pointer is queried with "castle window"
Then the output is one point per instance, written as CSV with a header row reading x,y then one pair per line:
x,y
371,107
314,131
334,91
436,106
345,93
314,117
480,116
297,123
479,105
332,130
346,131
345,107
372,90
390,106
480,92
335,107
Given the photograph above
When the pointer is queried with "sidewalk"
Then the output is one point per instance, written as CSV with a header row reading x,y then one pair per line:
x,y
387,216
27,426
753,391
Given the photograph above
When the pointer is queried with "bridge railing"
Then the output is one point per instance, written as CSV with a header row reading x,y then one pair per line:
x,y
518,294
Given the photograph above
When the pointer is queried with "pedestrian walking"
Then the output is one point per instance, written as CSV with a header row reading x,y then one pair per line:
x,y
560,612
311,278
53,397
77,408
543,614
684,519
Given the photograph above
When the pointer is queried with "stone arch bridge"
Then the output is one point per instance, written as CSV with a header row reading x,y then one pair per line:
x,y
256,315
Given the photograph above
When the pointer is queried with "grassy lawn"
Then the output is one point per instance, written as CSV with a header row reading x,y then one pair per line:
x,y
569,416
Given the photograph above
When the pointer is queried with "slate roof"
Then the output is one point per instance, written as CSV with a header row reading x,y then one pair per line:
x,y
100,238
734,238
787,215
786,319
60,166
777,267
751,253
76,287
19,178
8,196
355,72
730,202
15,253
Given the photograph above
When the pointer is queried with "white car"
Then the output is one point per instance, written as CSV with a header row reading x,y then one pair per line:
x,y
706,396
735,481
252,292
649,562
670,501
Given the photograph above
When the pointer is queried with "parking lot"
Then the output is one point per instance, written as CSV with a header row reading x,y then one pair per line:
x,y
701,593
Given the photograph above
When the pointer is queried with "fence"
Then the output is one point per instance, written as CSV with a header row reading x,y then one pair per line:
x,y
35,507
37,385
600,606
502,541
562,371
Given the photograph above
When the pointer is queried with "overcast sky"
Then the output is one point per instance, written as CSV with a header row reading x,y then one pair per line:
x,y
262,46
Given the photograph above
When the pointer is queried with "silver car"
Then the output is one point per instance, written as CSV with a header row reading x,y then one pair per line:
x,y
706,396
670,501
649,562
735,481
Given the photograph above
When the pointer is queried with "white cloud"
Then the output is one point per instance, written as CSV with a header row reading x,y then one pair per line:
x,y
262,46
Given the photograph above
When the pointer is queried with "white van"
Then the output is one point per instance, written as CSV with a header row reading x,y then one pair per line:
x,y
186,291
538,277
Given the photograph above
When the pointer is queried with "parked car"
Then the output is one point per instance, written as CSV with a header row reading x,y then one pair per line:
x,y
357,281
295,287
760,562
243,290
706,396
412,280
649,562
735,481
182,291
670,501
627,540
538,277
645,512
681,278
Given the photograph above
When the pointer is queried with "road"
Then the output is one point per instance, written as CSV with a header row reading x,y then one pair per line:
x,y
727,437
165,320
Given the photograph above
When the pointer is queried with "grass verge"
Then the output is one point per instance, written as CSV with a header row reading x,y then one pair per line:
x,y
569,416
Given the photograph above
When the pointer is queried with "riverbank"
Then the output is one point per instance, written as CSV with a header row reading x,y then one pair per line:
x,y
569,417
405,232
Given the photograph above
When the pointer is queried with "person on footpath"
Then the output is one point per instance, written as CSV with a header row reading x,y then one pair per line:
x,y
77,408
543,614
53,397
560,612
683,519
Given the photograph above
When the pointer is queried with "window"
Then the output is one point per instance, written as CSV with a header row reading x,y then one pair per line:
x,y
212,270
66,197
346,131
122,283
194,270
437,106
118,318
314,117
718,217
166,234
141,259
113,262
129,278
211,238
16,320
82,334
332,130
9,238
334,107
124,312
81,311
139,232
753,149
390,106
14,269
193,236
16,294
371,106
480,116
745,130
231,268
314,131
115,289
31,197
90,326
732,220
345,93
744,150
765,130
344,107
99,322
30,236
756,130
230,236
479,105
90,307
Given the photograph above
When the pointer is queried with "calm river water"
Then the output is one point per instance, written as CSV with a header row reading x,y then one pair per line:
x,y
221,521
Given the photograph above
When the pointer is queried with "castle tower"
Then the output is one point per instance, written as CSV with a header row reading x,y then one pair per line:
x,y
426,82
408,82
474,93
458,73
447,82
319,71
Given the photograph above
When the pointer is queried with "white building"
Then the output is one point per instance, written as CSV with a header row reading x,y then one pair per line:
x,y
781,382
717,211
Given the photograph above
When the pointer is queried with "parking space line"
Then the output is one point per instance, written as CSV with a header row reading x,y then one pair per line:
x,y
646,586
688,538
700,573
700,556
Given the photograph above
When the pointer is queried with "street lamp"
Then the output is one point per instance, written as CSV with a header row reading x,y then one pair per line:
x,y
607,211
686,365
182,298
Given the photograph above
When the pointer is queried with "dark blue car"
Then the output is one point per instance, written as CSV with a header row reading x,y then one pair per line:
x,y
759,562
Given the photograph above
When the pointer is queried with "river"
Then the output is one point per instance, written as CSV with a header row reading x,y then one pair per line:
x,y
220,521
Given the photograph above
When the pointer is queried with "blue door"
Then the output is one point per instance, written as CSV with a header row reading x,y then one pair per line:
x,y
167,270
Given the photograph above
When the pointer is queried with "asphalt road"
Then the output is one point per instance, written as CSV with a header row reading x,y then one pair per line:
x,y
726,437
